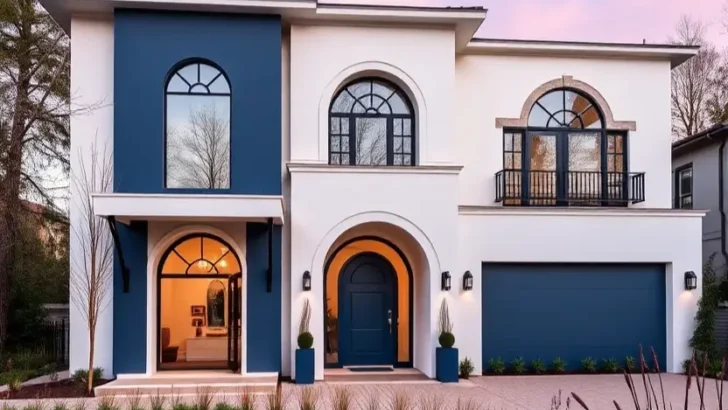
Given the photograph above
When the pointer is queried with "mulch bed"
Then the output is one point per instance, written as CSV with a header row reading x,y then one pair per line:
x,y
66,389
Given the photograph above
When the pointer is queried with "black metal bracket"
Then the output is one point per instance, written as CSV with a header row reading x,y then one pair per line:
x,y
269,277
117,244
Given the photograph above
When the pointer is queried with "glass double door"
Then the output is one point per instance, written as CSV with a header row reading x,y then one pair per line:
x,y
562,167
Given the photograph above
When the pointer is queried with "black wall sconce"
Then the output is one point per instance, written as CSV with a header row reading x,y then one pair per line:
x,y
691,280
446,280
306,281
468,280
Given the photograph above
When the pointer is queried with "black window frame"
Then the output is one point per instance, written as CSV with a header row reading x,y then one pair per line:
x,y
562,154
179,66
351,118
679,196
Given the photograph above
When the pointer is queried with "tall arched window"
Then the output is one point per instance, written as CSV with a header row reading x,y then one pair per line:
x,y
371,122
565,156
197,127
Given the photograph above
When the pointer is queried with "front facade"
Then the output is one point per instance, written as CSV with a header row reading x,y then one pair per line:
x,y
380,152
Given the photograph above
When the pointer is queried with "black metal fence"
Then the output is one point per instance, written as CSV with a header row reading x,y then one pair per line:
x,y
53,341
569,188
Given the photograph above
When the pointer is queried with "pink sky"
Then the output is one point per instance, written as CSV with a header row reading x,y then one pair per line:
x,y
583,20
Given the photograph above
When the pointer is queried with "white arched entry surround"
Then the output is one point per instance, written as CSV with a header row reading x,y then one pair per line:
x,y
427,289
387,72
155,254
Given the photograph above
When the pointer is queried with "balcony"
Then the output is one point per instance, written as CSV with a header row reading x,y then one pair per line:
x,y
569,188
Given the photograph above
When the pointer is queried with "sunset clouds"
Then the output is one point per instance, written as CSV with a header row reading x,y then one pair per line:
x,y
584,20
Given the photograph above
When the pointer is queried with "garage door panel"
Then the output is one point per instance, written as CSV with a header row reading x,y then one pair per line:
x,y
572,311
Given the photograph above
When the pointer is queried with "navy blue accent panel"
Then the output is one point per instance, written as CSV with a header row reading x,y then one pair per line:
x,y
263,308
130,309
147,45
367,293
573,312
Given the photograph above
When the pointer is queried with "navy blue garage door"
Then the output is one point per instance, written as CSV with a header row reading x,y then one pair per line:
x,y
572,311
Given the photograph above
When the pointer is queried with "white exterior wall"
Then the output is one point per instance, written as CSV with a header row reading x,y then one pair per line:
x,y
325,58
458,99
92,84
490,87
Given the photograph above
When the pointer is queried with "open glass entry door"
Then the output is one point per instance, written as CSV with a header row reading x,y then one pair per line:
x,y
234,312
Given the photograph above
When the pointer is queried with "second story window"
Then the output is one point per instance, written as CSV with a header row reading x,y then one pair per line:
x,y
684,187
564,156
197,127
371,122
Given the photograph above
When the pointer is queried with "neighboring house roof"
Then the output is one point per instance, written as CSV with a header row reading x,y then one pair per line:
x,y
703,138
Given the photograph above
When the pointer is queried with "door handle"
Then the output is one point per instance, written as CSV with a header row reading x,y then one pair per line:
x,y
389,320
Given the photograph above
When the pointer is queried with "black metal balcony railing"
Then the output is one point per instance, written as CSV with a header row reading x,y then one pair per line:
x,y
569,188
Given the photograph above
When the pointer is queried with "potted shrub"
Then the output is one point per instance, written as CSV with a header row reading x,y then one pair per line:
x,y
446,357
305,362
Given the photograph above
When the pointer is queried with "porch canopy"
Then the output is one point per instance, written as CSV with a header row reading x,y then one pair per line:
x,y
125,207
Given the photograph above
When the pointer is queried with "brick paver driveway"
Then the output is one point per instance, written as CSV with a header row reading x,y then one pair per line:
x,y
534,392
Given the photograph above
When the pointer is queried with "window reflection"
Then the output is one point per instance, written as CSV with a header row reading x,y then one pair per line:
x,y
198,128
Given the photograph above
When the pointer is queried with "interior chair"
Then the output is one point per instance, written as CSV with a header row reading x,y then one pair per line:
x,y
169,353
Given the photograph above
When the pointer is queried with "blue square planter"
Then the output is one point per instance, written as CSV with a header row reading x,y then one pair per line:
x,y
446,365
305,366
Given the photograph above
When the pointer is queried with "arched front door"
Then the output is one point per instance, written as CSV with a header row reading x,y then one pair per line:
x,y
368,312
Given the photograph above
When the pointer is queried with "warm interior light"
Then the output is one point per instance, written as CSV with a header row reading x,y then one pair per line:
x,y
223,263
202,264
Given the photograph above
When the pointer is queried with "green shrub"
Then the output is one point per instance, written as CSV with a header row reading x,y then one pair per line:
x,y
704,339
107,402
518,365
30,359
610,365
80,376
538,367
466,368
496,365
23,375
224,406
447,340
181,406
60,406
715,368
203,398
629,363
589,365
686,366
35,405
156,401
305,340
558,365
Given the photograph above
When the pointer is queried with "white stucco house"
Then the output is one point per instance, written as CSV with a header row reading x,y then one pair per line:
x,y
385,154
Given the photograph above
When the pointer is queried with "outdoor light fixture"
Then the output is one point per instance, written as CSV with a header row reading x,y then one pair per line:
x,y
307,281
691,280
468,280
446,280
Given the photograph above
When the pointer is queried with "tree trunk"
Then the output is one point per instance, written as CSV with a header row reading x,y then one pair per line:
x,y
91,345
10,205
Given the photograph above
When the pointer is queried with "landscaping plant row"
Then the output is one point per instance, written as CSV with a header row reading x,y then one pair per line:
x,y
518,366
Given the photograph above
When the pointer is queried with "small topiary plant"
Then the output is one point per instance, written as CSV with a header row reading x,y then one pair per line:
x,y
497,366
610,365
447,338
518,365
466,368
305,338
538,367
589,365
558,366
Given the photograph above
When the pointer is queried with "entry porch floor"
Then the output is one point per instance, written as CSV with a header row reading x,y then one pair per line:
x,y
190,383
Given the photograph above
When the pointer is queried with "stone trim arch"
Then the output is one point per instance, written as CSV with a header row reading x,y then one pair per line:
x,y
374,69
566,81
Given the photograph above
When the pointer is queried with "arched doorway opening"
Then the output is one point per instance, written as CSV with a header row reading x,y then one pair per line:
x,y
199,301
368,294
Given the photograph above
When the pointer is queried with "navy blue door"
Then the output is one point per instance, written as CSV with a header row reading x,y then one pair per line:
x,y
573,312
367,311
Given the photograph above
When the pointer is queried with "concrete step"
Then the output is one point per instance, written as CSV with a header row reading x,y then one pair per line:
x,y
397,375
185,386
